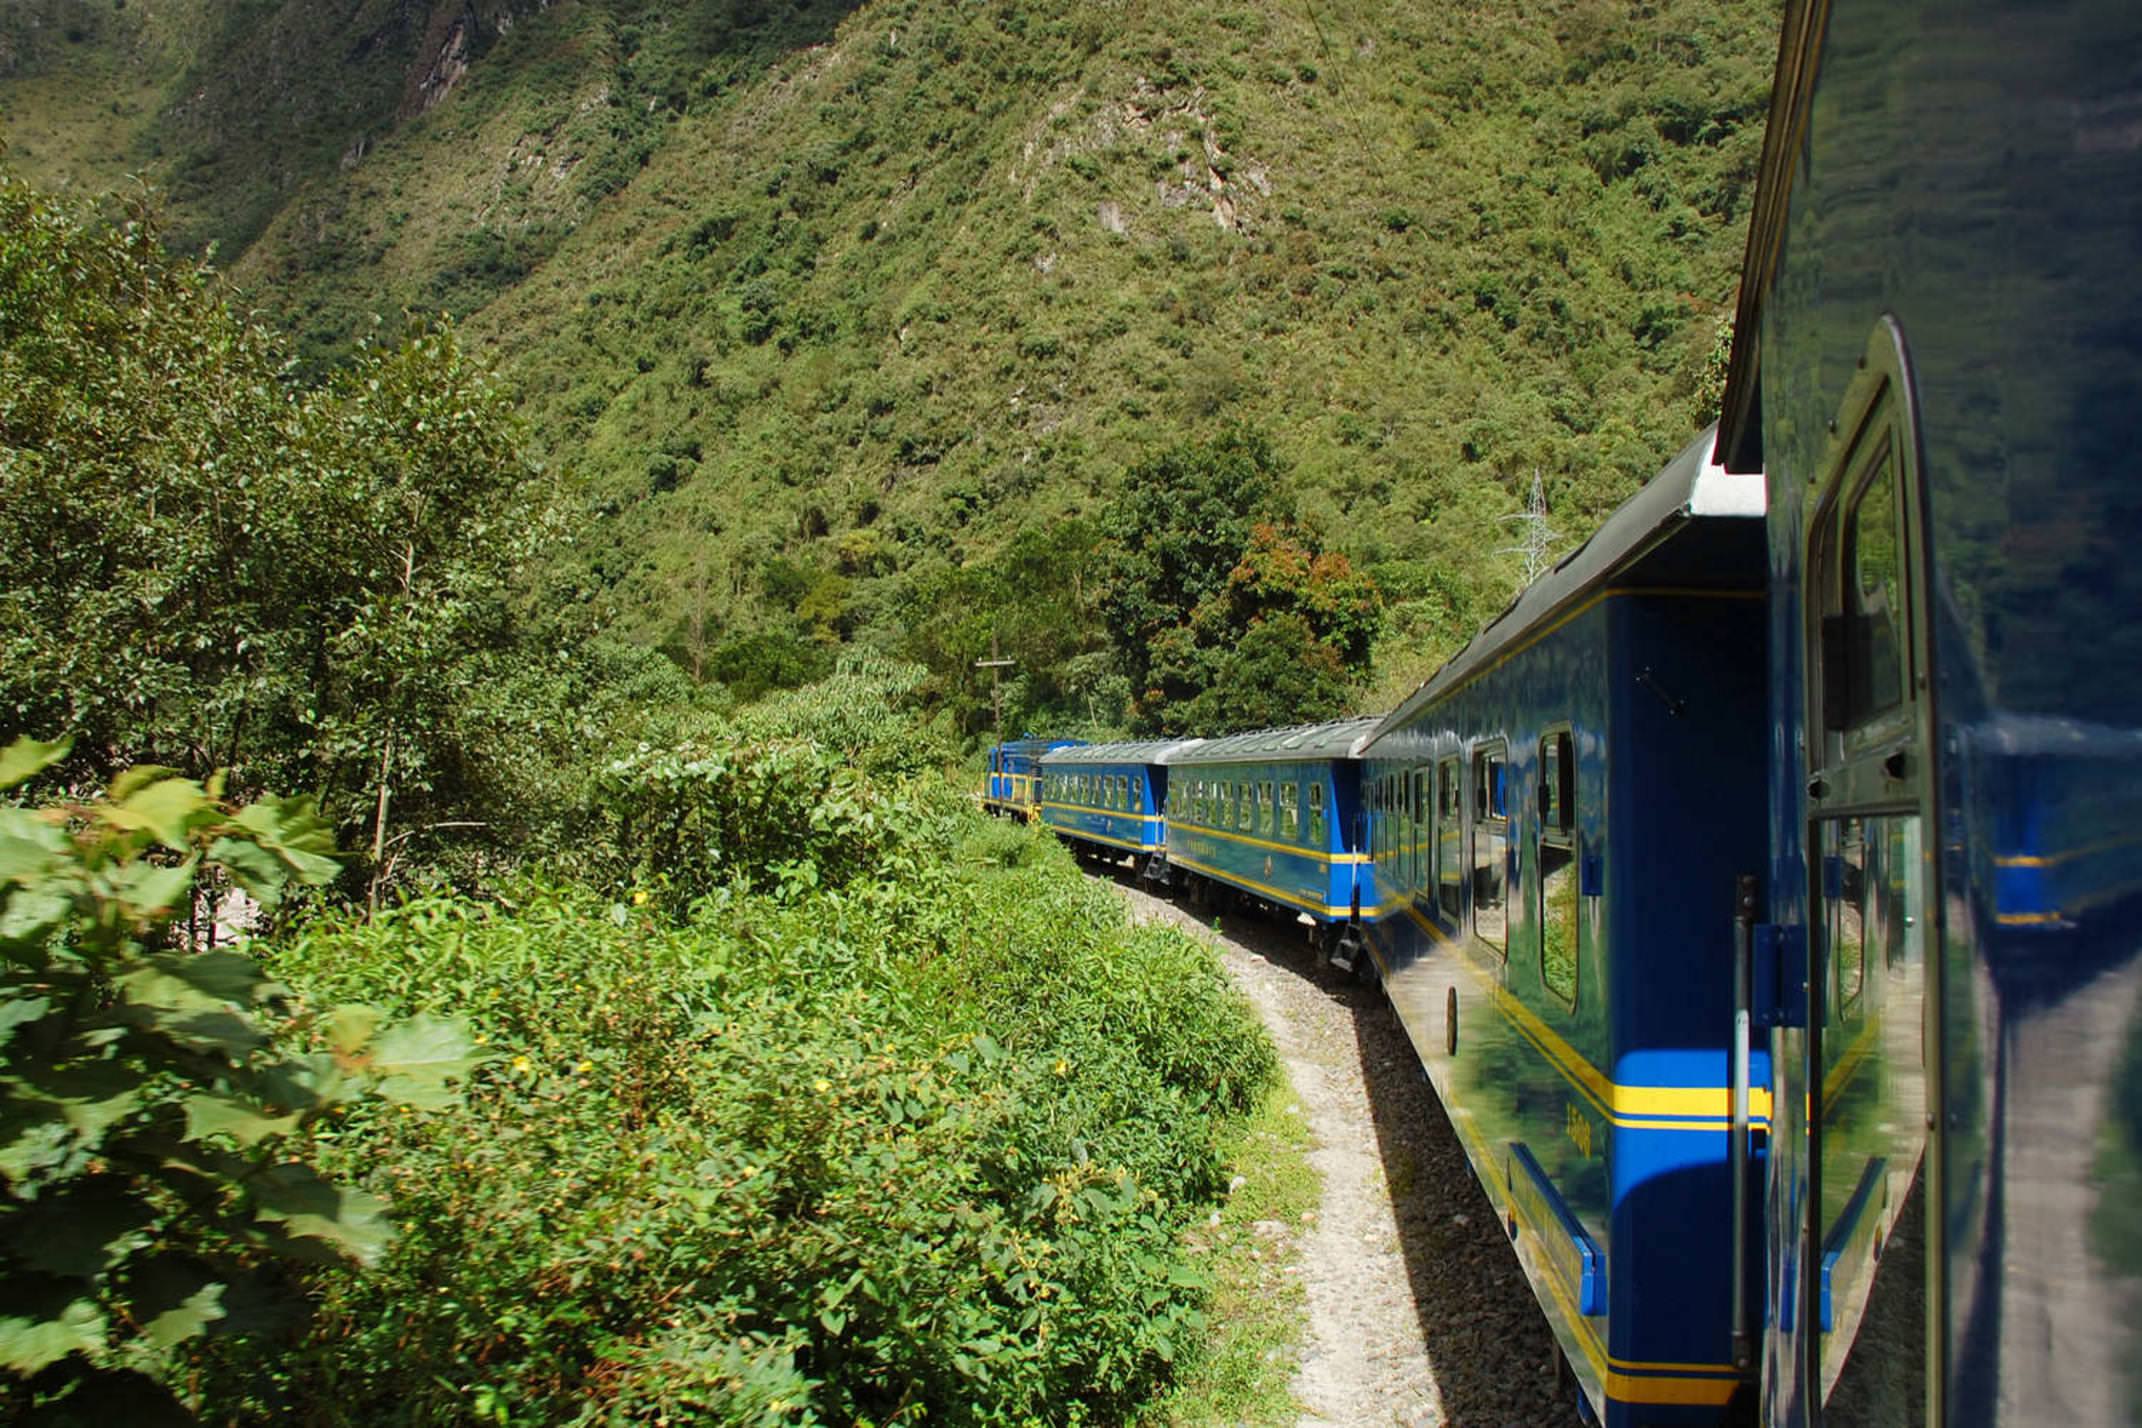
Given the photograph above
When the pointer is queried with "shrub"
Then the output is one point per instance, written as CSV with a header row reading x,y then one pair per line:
x,y
890,1151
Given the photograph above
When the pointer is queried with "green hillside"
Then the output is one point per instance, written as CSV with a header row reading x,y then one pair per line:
x,y
823,304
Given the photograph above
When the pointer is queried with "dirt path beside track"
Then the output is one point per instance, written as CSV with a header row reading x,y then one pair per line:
x,y
1418,1312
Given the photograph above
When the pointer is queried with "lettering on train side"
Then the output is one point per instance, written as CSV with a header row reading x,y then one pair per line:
x,y
1578,1127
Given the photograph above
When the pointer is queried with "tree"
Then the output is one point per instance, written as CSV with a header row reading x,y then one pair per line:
x,y
1223,614
215,568
1174,533
154,1162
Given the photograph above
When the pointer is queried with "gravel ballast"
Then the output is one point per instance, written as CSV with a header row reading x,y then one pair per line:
x,y
1418,1312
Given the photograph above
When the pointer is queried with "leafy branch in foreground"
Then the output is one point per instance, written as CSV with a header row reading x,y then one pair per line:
x,y
152,1146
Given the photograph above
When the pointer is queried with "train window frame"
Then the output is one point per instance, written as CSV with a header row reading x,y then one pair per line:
x,y
1450,811
1245,806
1557,839
1318,830
1290,811
1488,818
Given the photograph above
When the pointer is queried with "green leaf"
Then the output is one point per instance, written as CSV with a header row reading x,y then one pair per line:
x,y
209,1114
307,1204
155,891
350,1027
256,869
28,1344
79,1230
133,780
416,1058
169,810
20,1013
26,757
175,1325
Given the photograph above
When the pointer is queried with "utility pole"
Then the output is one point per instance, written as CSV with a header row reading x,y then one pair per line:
x,y
996,668
1538,538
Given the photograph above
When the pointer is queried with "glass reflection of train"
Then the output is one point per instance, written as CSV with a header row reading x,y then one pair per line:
x,y
1763,890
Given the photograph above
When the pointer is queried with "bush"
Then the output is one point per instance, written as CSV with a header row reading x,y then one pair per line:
x,y
889,1151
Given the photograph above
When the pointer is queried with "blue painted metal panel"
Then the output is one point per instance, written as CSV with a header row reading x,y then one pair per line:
x,y
1969,169
1317,877
1619,1101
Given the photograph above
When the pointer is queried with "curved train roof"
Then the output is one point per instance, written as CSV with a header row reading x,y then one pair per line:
x,y
1632,549
1339,739
1139,751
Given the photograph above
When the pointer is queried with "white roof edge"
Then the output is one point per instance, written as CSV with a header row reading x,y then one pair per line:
x,y
1719,492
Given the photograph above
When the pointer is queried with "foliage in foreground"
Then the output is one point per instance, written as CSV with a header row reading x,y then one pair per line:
x,y
920,1146
153,1162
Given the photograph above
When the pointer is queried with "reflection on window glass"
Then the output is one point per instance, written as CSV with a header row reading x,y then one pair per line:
x,y
1264,808
1558,871
1874,650
1316,816
1845,897
1449,838
1491,920
1245,807
1290,812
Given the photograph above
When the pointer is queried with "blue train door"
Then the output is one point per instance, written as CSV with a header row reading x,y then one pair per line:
x,y
1871,1045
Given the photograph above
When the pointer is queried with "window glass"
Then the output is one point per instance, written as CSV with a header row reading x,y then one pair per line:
x,y
1558,909
1491,849
1449,837
1265,808
1290,812
1316,816
1874,580
1245,807
1845,892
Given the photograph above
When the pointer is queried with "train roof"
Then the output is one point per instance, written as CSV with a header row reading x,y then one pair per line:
x,y
1634,549
1137,751
1031,745
1339,739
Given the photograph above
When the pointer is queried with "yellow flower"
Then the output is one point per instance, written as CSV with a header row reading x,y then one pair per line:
x,y
639,899
821,1085
583,1068
520,1063
1063,1068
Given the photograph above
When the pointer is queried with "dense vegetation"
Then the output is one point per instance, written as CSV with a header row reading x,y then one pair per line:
x,y
711,1058
852,315
741,1071
903,1126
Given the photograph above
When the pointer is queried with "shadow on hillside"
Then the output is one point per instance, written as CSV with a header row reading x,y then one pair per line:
x,y
1487,1342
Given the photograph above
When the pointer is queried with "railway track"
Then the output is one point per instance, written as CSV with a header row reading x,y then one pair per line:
x,y
1419,1314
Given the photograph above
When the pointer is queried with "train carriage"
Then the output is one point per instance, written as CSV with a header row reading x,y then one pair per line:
x,y
1275,814
1012,786
1556,819
1938,360
1108,798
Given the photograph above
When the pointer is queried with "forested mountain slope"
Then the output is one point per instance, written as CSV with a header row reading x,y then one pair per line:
x,y
826,303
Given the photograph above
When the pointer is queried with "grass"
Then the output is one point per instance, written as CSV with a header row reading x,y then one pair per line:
x,y
1258,1308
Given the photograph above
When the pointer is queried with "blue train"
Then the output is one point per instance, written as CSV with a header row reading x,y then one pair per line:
x,y
1012,788
1763,890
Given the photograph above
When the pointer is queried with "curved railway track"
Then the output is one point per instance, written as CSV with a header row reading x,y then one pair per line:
x,y
1418,1312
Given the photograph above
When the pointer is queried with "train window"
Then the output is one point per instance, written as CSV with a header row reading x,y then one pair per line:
x,y
1558,782
1449,837
1874,580
1265,808
1845,898
1417,820
1290,812
1245,807
1561,931
1316,815
1491,848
